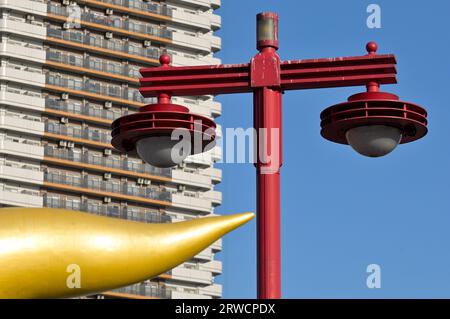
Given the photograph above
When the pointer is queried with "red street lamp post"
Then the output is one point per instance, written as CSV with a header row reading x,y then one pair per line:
x,y
373,122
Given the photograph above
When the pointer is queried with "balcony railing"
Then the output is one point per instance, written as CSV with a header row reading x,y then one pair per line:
x,y
152,7
114,22
93,64
96,208
89,182
76,36
146,290
16,190
96,87
110,162
86,133
65,58
83,109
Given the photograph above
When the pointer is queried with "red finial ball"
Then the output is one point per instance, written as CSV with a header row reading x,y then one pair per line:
x,y
372,47
164,59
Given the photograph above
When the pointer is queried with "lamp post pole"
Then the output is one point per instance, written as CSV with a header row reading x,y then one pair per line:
x,y
267,99
267,122
267,77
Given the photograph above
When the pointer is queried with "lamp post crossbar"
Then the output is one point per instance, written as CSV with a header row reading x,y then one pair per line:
x,y
294,75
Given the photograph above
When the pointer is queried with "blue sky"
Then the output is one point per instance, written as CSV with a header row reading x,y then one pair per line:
x,y
341,211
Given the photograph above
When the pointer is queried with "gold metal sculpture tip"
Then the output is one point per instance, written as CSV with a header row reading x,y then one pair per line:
x,y
244,217
230,222
57,253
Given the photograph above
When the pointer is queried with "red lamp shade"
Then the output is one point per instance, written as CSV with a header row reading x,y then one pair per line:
x,y
375,109
160,120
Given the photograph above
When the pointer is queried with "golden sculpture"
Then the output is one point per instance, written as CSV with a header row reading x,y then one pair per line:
x,y
56,253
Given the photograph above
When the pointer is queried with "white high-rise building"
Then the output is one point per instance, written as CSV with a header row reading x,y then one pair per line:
x,y
70,67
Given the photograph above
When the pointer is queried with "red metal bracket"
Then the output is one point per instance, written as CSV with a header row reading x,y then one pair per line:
x,y
294,75
265,69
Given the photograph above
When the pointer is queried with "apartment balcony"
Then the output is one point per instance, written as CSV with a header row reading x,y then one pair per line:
x,y
214,196
88,158
22,28
23,75
146,217
83,109
96,66
193,107
214,266
103,186
195,4
22,98
20,123
144,30
22,148
216,107
209,108
216,43
191,275
201,22
202,159
85,133
217,246
100,90
214,173
139,5
216,4
216,21
29,6
70,35
23,51
14,196
149,55
193,203
114,24
186,295
22,173
149,9
96,44
205,255
107,210
141,290
78,84
179,59
198,44
197,109
196,180
214,290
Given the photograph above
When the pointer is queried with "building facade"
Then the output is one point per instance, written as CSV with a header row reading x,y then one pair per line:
x,y
68,69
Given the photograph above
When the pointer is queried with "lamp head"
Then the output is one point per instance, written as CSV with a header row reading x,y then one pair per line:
x,y
373,123
163,134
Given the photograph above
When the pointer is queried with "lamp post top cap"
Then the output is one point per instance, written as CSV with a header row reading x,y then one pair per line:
x,y
270,15
164,59
372,47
